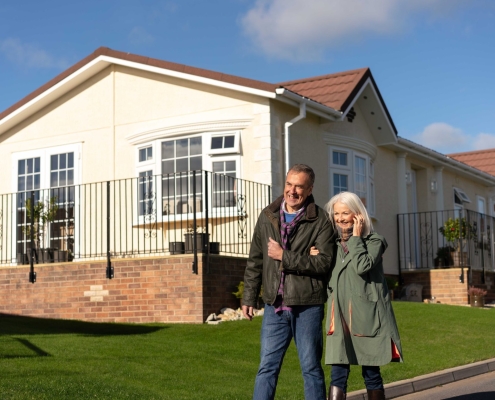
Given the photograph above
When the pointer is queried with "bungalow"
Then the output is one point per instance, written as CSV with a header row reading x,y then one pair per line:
x,y
131,154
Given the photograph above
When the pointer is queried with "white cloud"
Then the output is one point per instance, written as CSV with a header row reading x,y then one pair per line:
x,y
28,55
484,141
304,30
447,139
139,36
443,138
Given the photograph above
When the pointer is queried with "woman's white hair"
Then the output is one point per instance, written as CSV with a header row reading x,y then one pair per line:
x,y
356,206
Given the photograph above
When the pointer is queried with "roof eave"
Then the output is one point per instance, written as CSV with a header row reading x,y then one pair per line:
x,y
312,106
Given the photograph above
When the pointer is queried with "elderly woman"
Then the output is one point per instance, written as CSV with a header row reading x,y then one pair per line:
x,y
360,326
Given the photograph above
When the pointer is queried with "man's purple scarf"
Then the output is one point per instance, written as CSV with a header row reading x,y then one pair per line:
x,y
286,231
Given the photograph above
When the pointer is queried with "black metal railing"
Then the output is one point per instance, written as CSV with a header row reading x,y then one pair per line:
x,y
149,215
436,239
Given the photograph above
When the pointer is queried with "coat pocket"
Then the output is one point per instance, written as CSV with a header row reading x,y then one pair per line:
x,y
364,317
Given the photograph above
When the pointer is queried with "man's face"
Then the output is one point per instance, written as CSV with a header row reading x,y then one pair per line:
x,y
297,189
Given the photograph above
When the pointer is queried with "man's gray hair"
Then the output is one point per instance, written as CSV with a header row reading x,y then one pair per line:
x,y
298,168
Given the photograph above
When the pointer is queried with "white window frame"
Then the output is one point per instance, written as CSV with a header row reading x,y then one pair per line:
x,y
208,157
350,171
462,195
229,150
44,154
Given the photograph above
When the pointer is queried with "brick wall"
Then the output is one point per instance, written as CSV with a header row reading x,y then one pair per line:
x,y
143,290
445,286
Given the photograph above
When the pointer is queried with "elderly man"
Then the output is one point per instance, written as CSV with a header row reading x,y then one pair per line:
x,y
294,283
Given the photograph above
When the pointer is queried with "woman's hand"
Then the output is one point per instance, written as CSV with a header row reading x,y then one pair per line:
x,y
358,225
313,251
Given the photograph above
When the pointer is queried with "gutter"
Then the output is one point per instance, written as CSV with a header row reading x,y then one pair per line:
x,y
444,160
305,104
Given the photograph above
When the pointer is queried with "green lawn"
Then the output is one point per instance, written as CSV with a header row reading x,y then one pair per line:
x,y
53,359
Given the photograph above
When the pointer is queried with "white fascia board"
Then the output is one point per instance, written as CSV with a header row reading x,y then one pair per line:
x,y
311,106
358,95
189,77
97,65
52,93
440,159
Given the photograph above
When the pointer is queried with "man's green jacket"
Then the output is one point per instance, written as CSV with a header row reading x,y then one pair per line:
x,y
306,276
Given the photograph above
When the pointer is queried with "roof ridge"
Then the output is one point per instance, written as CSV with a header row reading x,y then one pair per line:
x,y
325,76
472,152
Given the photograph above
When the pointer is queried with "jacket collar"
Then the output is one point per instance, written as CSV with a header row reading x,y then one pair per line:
x,y
311,207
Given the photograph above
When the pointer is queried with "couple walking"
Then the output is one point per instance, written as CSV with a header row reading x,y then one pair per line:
x,y
302,256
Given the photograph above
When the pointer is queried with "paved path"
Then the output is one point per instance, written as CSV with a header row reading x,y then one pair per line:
x,y
446,384
480,387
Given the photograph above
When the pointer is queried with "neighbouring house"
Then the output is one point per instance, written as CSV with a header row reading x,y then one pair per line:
x,y
483,160
155,173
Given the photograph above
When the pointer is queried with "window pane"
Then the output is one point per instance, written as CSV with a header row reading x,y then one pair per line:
x,y
168,150
181,165
53,162
70,163
21,183
216,142
142,155
29,182
70,177
53,179
37,167
36,181
182,148
218,166
168,167
29,163
21,167
339,158
196,147
196,163
63,159
62,178
230,166
229,142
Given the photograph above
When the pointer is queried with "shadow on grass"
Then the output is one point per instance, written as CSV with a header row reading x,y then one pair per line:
x,y
19,348
21,325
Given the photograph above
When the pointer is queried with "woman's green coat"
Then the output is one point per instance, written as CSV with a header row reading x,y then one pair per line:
x,y
358,294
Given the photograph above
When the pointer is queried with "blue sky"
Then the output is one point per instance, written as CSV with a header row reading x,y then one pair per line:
x,y
433,60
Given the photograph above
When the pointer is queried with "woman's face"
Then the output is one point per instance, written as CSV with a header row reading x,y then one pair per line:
x,y
343,216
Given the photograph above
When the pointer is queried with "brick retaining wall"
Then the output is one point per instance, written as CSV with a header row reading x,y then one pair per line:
x,y
444,284
143,290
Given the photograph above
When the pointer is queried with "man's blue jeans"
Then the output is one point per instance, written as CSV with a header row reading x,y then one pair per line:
x,y
304,324
371,374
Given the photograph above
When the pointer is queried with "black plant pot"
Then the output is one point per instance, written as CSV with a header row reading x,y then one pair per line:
x,y
201,242
60,255
22,259
177,247
214,247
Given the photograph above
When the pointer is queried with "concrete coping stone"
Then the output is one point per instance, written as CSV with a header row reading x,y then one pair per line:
x,y
428,381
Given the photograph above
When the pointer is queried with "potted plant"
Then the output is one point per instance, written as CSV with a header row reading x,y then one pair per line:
x,y
201,239
177,247
40,215
456,231
393,285
477,296
444,256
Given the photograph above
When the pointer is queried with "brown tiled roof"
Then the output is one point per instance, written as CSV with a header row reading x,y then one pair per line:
x,y
105,51
483,160
333,90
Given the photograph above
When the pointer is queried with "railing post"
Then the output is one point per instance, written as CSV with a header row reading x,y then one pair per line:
x,y
109,261
195,247
206,267
32,274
